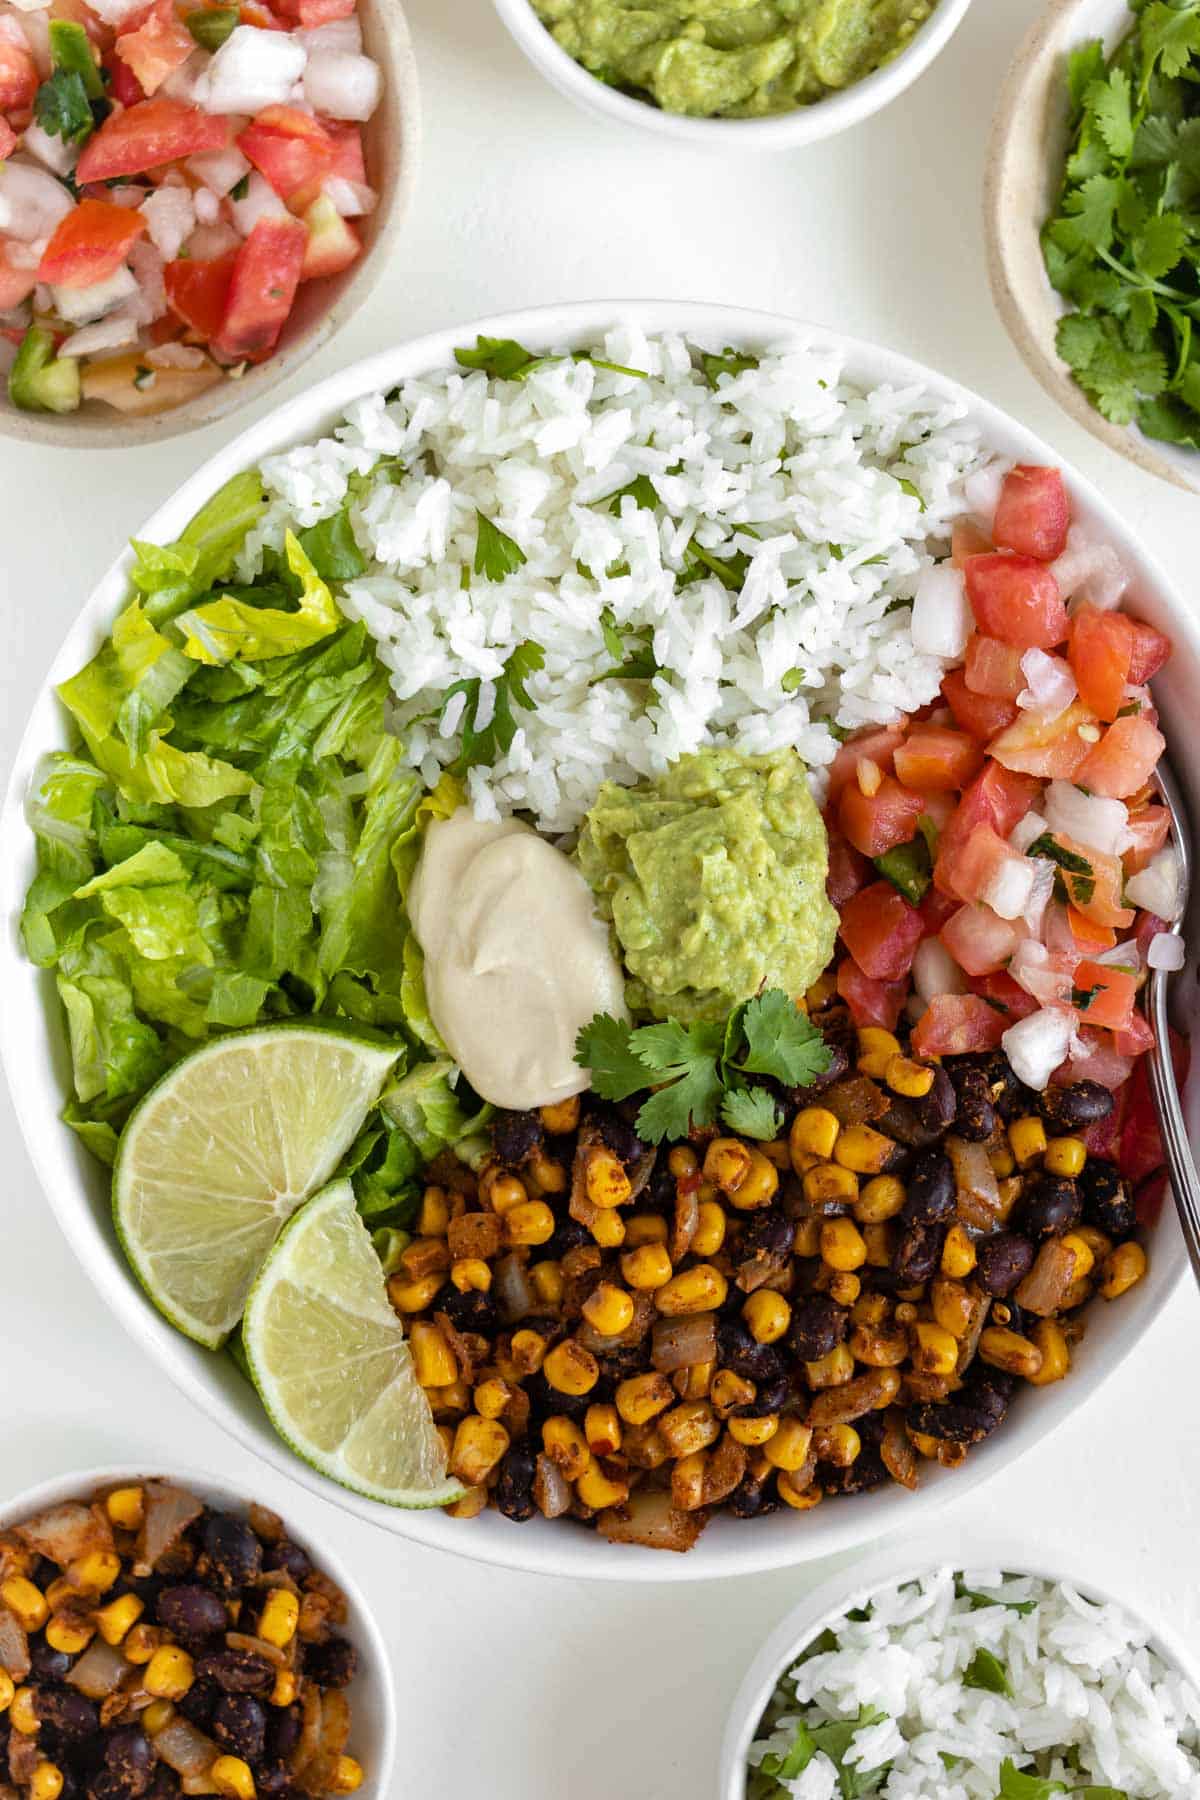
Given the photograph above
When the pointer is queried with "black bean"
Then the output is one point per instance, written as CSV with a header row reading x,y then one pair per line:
x,y
193,1614
166,1785
931,1189
105,1784
200,1702
738,1350
970,1416
1048,1208
1003,1262
516,1135
1107,1201
818,1326
238,1671
902,1121
284,1725
753,1497
46,1664
240,1726
770,1398
232,1549
1081,1103
471,1311
514,1487
69,1714
766,1240
289,1557
917,1255
276,1784
976,1119
569,1235
619,1135
129,1756
938,1108
332,1664
44,1572
867,1471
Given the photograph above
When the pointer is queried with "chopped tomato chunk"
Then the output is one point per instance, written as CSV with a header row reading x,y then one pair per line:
x,y
123,83
995,798
89,244
877,746
878,822
1101,652
1016,600
1141,1142
1086,934
955,1024
1135,1038
1093,882
979,714
968,539
1150,651
8,139
935,909
197,292
1149,828
979,940
311,13
16,282
993,668
849,870
870,1002
18,76
969,864
151,133
1104,995
1033,514
1035,745
266,273
881,931
1124,759
1095,1057
348,159
932,759
292,149
157,48
1002,991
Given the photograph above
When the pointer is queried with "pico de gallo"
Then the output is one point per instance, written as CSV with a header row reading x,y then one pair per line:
x,y
171,173
1000,860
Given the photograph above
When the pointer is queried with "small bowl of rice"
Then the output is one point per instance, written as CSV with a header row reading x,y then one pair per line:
x,y
976,1672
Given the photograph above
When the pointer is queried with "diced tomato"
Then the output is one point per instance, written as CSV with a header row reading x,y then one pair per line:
x,y
1124,759
1053,748
157,48
18,76
979,941
982,716
8,139
932,759
197,292
935,909
993,668
995,798
940,808
124,85
151,133
1104,995
1016,600
877,746
1002,991
1136,1038
1150,1198
253,12
1149,828
1086,934
1100,653
16,283
90,243
881,931
1150,651
849,870
955,1024
1141,1152
968,865
968,539
870,1002
1033,514
1093,882
266,274
311,13
1096,1058
292,149
878,822
348,159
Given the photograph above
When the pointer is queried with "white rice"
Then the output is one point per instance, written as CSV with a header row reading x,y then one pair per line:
x,y
848,494
1085,1686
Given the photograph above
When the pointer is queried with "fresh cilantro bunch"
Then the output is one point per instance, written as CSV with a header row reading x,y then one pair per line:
x,y
1123,248
699,1071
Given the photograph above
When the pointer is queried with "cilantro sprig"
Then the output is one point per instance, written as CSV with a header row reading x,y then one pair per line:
x,y
503,359
699,1072
482,744
1123,247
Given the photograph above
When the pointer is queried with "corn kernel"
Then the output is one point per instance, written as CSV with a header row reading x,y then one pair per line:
x,y
596,1489
545,1174
566,1446
814,1131
169,1673
728,1391
61,1593
640,1398
693,1382
285,1689
22,1712
935,1351
232,1777
1085,1260
830,1182
478,1446
759,1185
96,1572
548,1283
702,1288
1051,1340
470,1504
7,1690
608,1309
873,1040
953,1305
807,1240
608,1229
682,1161
687,1481
690,1427
470,1274
727,1163
434,1362
1002,1161
753,1432
844,1288
911,1079
1099,1245
646,1228
562,1117
347,1775
413,1296
126,1507
1008,1350
832,1370
454,1398
116,1620
530,1223
839,1445
156,1717
709,1234
776,1151
25,1601
1122,1270
879,1240
70,1634
863,1149
528,1351
1027,1139
491,1397
788,1447
280,1617
602,1429
801,1499
958,1253
506,1191
1065,1156
141,1644
570,1368
879,1200
767,1315
842,1244
46,1782
605,1180
647,1268
433,1220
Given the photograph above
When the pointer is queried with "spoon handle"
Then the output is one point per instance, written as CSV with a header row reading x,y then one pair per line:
x,y
1185,1183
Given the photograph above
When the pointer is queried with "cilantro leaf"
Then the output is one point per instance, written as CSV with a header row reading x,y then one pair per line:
x,y
1159,245
641,491
500,358
987,1671
1084,67
782,1041
1170,37
496,554
604,1048
1016,1785
1089,215
732,363
979,1601
331,548
62,108
792,679
1111,106
482,744
730,571
752,1112
633,655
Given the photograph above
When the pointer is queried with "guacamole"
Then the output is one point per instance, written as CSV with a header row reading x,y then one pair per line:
x,y
733,59
713,879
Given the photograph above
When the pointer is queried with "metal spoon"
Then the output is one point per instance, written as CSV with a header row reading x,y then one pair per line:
x,y
1185,1183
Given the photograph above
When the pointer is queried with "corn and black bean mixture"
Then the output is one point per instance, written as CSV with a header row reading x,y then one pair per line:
x,y
152,1647
635,1338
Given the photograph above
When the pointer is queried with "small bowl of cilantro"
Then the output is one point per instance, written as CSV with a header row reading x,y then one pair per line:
x,y
1093,217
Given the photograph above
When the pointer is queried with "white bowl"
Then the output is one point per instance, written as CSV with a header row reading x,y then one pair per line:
x,y
371,1695
35,1050
781,131
855,1587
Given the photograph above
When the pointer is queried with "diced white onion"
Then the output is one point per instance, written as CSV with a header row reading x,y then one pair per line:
x,y
341,85
1087,818
353,199
1052,684
1026,831
1167,951
32,201
981,489
1037,1045
1122,956
261,202
941,615
51,152
127,195
338,34
150,301
208,242
79,306
170,216
218,170
252,69
29,6
208,207
1010,887
115,12
935,970
188,81
1042,891
116,332
176,356
1156,887
1090,571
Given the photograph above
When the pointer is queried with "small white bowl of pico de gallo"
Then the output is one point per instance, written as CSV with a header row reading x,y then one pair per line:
x,y
193,198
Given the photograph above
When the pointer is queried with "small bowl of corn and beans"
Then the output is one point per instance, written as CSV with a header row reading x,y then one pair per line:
x,y
161,1638
637,1339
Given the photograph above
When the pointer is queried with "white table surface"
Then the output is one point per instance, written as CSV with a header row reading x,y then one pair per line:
x,y
513,1687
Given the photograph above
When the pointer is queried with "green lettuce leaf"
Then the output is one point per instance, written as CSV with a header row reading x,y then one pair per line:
x,y
427,1107
224,629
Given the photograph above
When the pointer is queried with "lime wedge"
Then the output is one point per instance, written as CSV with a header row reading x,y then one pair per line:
x,y
331,1365
221,1153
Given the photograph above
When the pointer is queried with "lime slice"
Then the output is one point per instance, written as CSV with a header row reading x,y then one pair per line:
x,y
221,1153
331,1365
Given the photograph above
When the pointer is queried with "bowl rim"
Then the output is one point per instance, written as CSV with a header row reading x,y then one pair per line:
x,y
58,1158
402,104
1005,224
779,131
74,1484
961,1550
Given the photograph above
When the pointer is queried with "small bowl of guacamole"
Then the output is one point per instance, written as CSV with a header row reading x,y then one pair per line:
x,y
742,74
